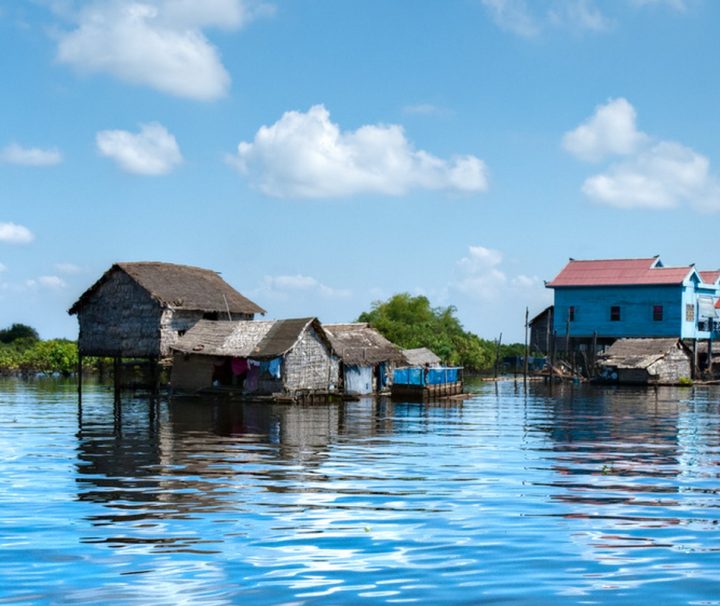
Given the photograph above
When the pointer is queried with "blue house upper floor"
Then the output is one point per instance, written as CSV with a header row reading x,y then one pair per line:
x,y
613,298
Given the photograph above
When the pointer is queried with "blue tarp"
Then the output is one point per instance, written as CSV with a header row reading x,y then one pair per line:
x,y
425,376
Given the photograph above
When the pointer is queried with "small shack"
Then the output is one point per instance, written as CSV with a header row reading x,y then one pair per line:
x,y
367,358
282,358
646,362
541,331
420,356
139,310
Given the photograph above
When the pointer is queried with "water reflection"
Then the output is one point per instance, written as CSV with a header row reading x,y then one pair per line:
x,y
518,495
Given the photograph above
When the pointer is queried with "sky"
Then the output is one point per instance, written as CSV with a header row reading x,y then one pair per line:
x,y
323,155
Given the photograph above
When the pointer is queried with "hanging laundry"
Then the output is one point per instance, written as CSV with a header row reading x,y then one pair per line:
x,y
239,366
274,367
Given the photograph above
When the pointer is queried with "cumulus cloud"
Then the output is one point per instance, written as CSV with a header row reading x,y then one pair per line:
x,y
152,151
646,172
480,276
307,155
517,16
156,43
610,130
283,286
30,156
12,233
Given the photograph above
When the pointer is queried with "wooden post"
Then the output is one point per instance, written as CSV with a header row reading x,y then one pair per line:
x,y
155,376
591,370
497,355
116,378
695,360
79,377
567,338
708,364
527,346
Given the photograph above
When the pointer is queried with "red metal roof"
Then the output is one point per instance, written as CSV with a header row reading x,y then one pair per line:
x,y
618,272
710,277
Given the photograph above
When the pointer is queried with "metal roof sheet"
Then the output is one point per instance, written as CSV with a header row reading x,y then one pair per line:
x,y
619,272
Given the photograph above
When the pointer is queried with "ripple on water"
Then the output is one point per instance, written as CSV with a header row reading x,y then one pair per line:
x,y
582,495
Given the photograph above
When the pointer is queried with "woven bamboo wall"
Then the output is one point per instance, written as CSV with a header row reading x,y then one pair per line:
x,y
121,319
310,365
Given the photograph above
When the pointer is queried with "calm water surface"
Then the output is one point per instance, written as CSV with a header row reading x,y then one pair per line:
x,y
580,496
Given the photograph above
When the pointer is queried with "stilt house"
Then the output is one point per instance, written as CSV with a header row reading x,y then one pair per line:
x,y
367,358
646,361
139,310
599,301
256,358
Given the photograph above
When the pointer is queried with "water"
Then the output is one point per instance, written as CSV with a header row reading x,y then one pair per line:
x,y
582,496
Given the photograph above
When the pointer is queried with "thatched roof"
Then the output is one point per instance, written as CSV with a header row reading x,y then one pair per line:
x,y
246,339
638,353
358,344
179,287
420,356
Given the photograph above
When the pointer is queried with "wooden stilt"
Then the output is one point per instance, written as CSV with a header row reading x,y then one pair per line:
x,y
117,378
79,376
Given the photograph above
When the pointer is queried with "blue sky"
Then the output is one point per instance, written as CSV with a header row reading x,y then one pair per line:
x,y
322,155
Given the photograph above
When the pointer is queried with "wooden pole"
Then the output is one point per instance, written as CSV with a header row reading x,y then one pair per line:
x,y
116,378
79,376
593,355
527,346
497,355
695,359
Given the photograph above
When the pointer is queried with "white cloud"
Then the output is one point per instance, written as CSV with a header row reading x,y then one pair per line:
x,y
580,15
513,16
650,173
517,16
68,268
30,156
284,286
482,277
307,155
423,109
53,282
11,233
153,151
610,130
156,43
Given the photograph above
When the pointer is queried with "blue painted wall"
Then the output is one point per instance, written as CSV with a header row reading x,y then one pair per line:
x,y
592,310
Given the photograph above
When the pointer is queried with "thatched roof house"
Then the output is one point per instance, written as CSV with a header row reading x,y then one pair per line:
x,y
420,356
259,357
140,309
365,354
646,361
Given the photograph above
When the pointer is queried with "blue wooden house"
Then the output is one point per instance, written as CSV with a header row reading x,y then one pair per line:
x,y
608,299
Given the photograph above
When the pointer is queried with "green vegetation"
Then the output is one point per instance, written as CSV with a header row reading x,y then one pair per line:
x,y
412,322
28,356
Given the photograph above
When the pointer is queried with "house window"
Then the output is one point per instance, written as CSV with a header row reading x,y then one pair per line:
x,y
571,313
615,313
657,313
690,312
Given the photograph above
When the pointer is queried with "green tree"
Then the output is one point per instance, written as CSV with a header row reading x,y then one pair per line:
x,y
411,322
18,332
